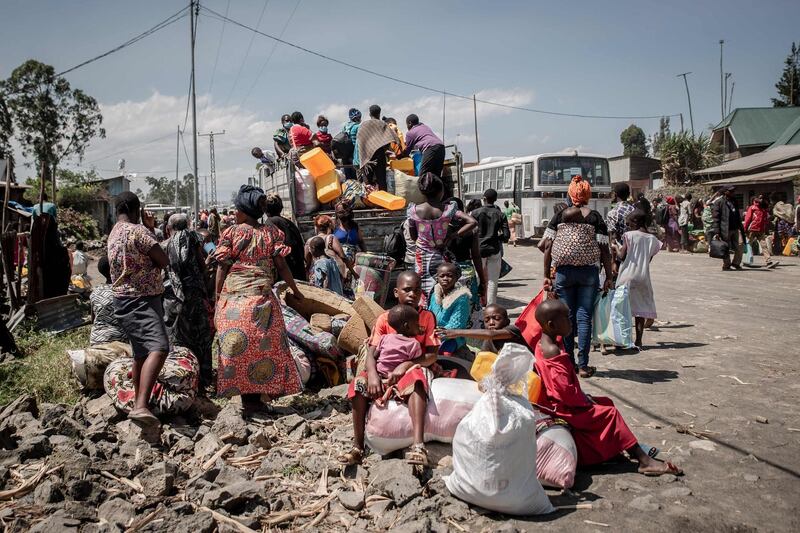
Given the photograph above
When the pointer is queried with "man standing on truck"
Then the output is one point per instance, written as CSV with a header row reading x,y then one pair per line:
x,y
281,137
421,137
492,233
374,138
351,129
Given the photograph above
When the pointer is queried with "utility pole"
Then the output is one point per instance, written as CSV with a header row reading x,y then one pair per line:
x,y
475,115
721,83
689,98
177,163
725,103
730,98
196,203
213,169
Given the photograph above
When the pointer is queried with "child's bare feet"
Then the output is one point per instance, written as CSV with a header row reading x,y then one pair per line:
x,y
654,467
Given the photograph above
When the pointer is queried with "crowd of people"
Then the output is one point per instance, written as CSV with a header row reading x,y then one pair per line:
x,y
217,299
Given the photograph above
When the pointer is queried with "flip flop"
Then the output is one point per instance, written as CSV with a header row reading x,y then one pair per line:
x,y
144,416
671,469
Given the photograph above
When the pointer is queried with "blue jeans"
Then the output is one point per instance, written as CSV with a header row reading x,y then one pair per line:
x,y
577,286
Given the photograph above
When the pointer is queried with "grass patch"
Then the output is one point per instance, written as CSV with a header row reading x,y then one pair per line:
x,y
44,371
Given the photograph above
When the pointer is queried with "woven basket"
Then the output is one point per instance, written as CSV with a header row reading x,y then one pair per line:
x,y
368,309
316,300
353,335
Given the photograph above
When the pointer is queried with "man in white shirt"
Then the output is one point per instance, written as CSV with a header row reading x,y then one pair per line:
x,y
684,217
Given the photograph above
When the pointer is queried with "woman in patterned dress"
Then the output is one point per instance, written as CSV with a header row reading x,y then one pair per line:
x,y
428,225
251,343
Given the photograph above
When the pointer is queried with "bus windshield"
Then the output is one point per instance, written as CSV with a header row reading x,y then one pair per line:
x,y
559,170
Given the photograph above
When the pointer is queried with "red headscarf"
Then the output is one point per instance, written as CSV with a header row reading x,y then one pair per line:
x,y
670,200
579,191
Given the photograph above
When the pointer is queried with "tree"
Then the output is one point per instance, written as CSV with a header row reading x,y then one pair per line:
x,y
53,121
658,138
76,189
788,86
162,190
6,129
682,153
633,141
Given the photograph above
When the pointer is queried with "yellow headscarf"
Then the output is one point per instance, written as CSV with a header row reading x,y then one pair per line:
x,y
579,191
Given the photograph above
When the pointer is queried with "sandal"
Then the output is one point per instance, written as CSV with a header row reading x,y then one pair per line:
x,y
587,371
417,455
144,416
670,469
353,457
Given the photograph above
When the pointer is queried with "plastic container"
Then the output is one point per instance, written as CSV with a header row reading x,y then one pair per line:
x,y
417,157
317,162
328,188
483,365
387,200
403,165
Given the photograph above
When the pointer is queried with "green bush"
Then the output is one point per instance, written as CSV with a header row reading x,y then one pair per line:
x,y
76,225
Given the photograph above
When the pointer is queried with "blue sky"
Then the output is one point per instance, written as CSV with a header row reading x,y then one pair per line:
x,y
602,58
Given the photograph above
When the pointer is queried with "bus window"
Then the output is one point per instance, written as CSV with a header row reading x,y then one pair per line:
x,y
517,178
508,179
527,179
467,178
547,175
559,170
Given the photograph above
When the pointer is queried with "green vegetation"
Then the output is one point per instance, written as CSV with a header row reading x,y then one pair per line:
x,y
634,141
682,153
788,86
44,371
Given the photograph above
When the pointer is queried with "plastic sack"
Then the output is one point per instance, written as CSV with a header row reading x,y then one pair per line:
x,y
612,322
494,448
747,256
556,454
374,271
407,187
89,364
175,388
389,427
305,193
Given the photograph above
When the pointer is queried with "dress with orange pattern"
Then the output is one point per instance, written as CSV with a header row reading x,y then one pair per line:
x,y
251,343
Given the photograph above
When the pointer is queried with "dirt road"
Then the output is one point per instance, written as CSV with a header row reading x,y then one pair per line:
x,y
726,362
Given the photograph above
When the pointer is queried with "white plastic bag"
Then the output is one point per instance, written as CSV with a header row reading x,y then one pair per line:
x,y
494,448
612,321
305,193
389,427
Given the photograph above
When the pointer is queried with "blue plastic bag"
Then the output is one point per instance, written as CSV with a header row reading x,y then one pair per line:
x,y
612,323
747,256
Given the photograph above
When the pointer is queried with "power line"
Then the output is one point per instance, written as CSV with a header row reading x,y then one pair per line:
x,y
129,150
161,25
420,86
247,52
271,53
216,60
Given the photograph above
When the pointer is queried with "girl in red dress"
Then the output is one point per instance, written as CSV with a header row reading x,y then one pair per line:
x,y
599,431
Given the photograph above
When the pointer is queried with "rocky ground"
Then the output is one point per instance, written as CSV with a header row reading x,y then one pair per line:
x,y
716,391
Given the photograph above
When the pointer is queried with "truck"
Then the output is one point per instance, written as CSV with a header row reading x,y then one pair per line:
x,y
375,223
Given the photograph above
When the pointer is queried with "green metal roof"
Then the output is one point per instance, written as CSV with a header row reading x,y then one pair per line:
x,y
790,135
753,126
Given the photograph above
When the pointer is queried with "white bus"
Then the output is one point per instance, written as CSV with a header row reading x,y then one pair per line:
x,y
538,183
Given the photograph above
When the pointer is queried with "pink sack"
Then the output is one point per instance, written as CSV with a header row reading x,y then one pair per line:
x,y
389,427
556,454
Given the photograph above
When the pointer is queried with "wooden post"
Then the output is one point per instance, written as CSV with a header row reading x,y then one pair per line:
x,y
7,250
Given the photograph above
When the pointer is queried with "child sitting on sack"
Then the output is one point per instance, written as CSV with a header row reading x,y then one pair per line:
x,y
402,348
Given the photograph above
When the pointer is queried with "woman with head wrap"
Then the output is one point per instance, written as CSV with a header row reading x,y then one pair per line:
x,y
673,231
251,343
575,242
187,306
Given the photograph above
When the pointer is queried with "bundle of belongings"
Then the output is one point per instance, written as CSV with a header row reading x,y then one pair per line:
x,y
109,367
